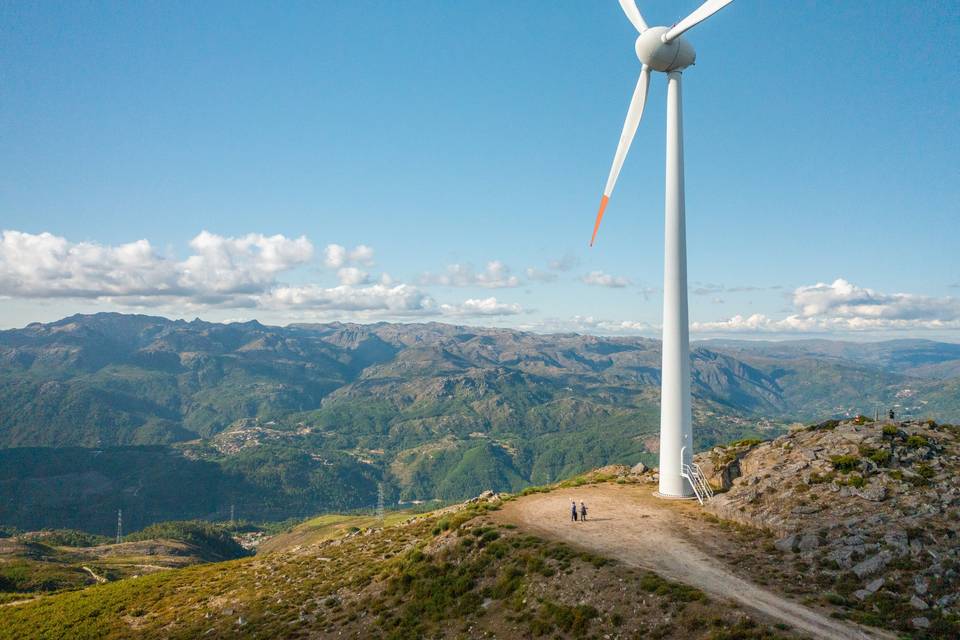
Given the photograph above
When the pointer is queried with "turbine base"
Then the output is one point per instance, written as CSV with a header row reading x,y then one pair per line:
x,y
664,496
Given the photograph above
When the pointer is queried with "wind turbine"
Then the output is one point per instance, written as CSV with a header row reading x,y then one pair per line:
x,y
664,49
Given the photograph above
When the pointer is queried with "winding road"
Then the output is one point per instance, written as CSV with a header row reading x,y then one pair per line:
x,y
627,523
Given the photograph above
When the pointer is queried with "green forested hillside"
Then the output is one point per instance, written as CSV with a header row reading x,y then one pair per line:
x,y
174,420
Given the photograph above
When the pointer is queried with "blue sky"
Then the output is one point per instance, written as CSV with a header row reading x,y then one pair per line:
x,y
821,152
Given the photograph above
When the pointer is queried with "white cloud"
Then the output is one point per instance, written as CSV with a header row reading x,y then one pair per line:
x,y
335,256
44,265
538,275
362,254
844,300
352,276
240,265
708,288
601,279
844,307
496,276
482,307
220,270
226,272
592,325
399,299
564,263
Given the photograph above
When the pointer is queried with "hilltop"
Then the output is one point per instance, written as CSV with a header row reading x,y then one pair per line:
x,y
800,541
453,574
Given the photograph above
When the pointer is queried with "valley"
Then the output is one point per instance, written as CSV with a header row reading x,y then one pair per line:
x,y
113,411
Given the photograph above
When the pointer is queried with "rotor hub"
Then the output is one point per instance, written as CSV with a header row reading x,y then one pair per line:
x,y
676,55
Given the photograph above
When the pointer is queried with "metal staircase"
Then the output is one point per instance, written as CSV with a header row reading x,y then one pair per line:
x,y
694,475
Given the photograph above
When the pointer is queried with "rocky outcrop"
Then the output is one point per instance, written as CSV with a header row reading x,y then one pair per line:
x,y
721,465
872,508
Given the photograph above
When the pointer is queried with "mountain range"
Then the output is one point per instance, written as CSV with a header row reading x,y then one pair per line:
x,y
176,419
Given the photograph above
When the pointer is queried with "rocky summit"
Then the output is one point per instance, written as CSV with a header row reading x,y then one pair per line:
x,y
868,510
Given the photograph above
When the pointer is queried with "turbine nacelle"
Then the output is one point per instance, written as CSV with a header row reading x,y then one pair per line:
x,y
661,55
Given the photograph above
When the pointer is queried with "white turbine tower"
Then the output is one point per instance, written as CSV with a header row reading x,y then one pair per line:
x,y
664,49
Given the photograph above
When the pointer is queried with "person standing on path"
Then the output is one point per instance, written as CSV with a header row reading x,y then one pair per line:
x,y
583,512
573,511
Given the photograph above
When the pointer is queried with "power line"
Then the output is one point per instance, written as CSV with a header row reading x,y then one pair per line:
x,y
380,502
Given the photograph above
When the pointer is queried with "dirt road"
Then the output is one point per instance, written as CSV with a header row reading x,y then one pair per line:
x,y
627,523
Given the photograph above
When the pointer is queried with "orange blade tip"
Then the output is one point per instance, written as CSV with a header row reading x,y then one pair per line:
x,y
596,225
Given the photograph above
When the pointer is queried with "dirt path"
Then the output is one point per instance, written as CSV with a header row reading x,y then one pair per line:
x,y
627,523
99,579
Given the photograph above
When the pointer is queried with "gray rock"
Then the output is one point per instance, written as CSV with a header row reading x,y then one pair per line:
x,y
874,492
921,623
789,543
808,542
917,603
920,585
843,557
897,539
872,564
638,468
807,509
861,594
875,585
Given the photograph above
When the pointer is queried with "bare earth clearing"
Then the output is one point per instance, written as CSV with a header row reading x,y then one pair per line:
x,y
627,523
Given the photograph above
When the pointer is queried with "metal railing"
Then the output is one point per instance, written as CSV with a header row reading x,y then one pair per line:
x,y
694,475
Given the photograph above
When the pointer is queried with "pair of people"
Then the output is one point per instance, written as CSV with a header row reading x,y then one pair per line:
x,y
573,511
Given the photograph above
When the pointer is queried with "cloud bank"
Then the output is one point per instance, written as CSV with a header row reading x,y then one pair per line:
x,y
844,307
226,272
266,273
496,276
601,279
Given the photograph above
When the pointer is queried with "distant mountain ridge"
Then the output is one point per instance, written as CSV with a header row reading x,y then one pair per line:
x,y
112,379
310,417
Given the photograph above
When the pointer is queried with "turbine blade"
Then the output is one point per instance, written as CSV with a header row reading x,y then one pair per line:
x,y
633,14
634,113
700,14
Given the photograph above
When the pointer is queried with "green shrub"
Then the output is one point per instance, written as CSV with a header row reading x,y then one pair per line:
x,y
816,478
653,583
856,480
826,425
925,471
890,430
845,463
745,442
66,538
917,441
573,620
878,456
